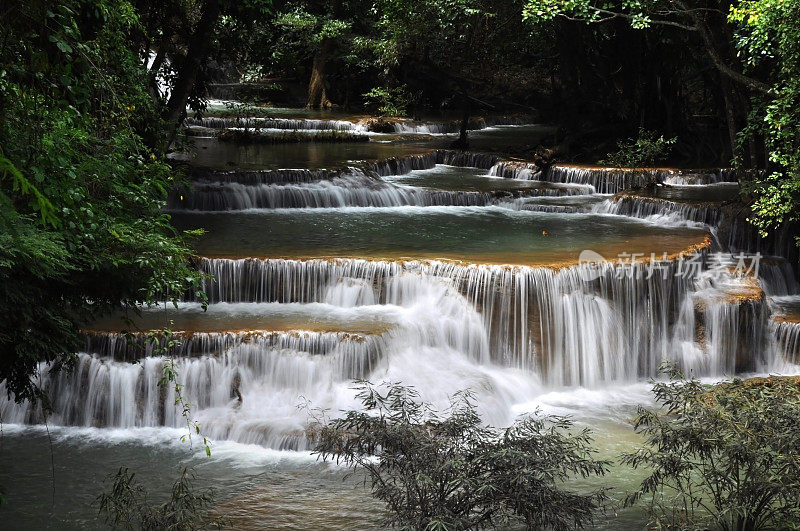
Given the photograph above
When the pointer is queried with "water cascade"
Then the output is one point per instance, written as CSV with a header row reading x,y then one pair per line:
x,y
282,328
274,123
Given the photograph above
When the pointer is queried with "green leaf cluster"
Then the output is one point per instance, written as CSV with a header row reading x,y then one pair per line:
x,y
768,36
448,470
82,230
723,457
645,150
126,505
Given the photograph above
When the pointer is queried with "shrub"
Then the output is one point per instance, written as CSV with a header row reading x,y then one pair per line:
x,y
447,470
725,456
645,150
388,101
126,505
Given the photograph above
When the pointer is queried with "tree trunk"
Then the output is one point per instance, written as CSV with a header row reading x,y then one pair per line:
x,y
730,115
317,92
198,48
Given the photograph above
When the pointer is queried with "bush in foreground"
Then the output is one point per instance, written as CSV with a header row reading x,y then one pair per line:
x,y
447,470
725,456
126,505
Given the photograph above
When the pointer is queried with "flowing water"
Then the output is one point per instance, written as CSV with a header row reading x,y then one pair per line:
x,y
392,261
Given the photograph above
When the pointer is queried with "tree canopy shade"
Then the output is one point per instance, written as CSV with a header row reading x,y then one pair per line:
x,y
753,46
447,470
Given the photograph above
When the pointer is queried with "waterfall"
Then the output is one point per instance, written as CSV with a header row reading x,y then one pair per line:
x,y
468,159
304,329
273,123
435,128
426,161
660,210
741,235
351,190
263,176
777,277
701,178
786,335
337,190
530,314
613,180
516,170
604,180
402,165
229,368
439,128
583,325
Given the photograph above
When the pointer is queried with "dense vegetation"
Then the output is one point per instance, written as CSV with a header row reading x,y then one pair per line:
x,y
84,129
81,192
448,470
722,456
721,76
127,505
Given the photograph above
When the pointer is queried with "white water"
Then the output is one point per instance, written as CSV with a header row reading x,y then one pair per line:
x,y
519,337
510,334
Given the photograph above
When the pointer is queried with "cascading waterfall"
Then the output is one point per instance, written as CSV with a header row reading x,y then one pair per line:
x,y
701,178
228,369
341,192
426,161
787,340
516,170
345,125
613,180
351,190
343,188
604,180
264,176
741,236
660,210
507,331
530,314
583,325
439,128
273,123
777,278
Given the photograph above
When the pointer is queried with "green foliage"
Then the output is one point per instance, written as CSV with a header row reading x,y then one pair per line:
x,y
164,344
447,470
344,32
126,505
755,46
638,12
769,38
388,101
645,150
82,230
724,456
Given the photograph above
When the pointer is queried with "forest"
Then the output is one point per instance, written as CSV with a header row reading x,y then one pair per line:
x,y
212,211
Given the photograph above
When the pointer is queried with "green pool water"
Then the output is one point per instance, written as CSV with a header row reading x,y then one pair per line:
x,y
471,234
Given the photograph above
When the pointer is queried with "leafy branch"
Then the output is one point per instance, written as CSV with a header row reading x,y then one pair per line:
x,y
164,344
